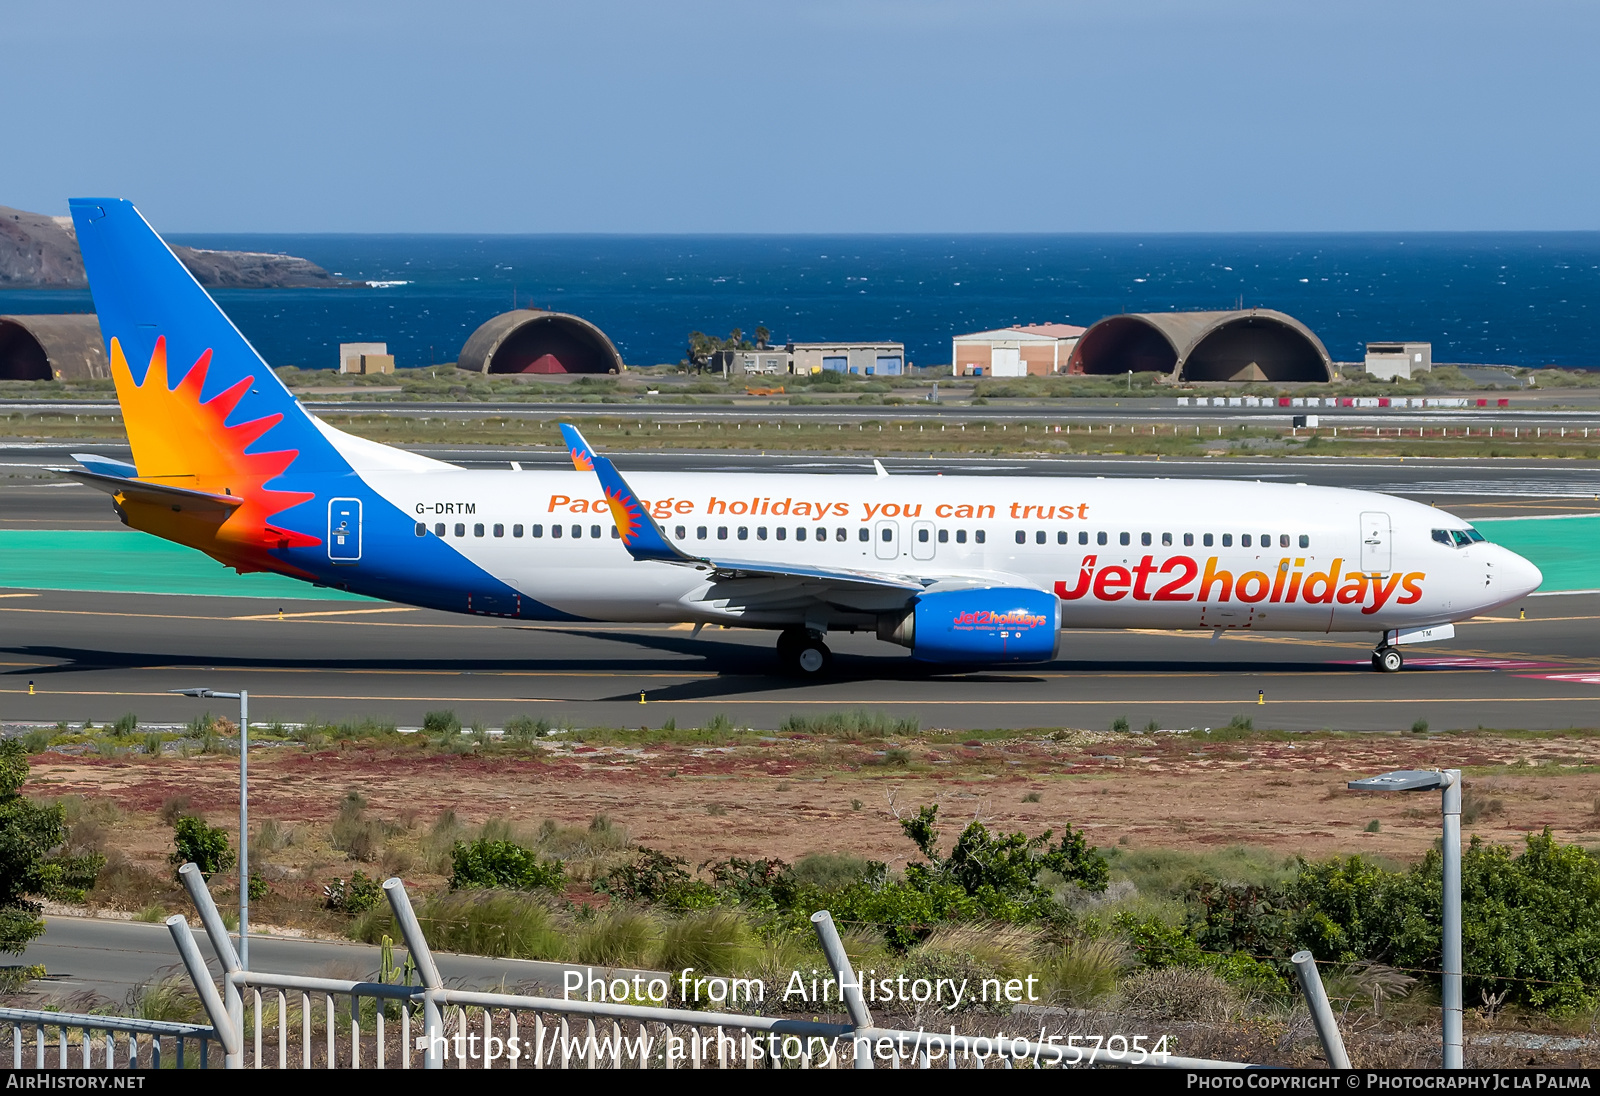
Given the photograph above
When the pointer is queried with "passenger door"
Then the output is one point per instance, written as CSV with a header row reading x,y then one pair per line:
x,y
344,530
1375,546
887,539
922,542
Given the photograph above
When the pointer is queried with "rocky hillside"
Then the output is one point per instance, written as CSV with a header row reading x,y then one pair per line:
x,y
41,252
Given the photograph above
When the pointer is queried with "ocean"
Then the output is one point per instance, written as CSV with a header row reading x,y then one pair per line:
x,y
1526,299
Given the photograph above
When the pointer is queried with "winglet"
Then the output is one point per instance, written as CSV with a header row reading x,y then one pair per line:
x,y
639,533
578,449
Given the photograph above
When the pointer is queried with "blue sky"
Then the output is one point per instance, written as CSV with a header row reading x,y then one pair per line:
x,y
821,116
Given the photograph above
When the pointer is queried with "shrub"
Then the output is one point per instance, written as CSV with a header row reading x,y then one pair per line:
x,y
719,941
125,726
27,833
204,846
357,896
655,877
442,723
1083,972
1119,725
174,807
354,832
829,870
621,936
502,864
492,922
523,730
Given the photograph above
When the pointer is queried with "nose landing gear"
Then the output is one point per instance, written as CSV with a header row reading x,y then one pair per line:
x,y
803,653
1388,660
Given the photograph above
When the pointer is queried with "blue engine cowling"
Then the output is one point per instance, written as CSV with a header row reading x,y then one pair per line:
x,y
998,624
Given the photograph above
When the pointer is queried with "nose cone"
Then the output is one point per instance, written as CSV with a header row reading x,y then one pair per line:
x,y
1518,576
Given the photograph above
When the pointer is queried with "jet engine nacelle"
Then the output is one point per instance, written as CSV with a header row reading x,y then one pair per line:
x,y
998,624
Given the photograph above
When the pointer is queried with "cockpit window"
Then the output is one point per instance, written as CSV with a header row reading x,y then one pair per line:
x,y
1461,538
1442,536
1457,538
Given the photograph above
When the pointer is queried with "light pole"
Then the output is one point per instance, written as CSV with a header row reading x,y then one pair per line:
x,y
243,697
1448,781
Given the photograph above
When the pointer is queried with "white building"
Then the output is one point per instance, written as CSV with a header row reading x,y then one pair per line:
x,y
863,359
1386,361
366,357
1029,350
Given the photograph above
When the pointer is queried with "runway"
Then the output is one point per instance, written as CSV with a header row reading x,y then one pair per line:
x,y
96,656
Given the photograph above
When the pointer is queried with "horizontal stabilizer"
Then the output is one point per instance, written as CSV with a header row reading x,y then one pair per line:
x,y
105,466
199,503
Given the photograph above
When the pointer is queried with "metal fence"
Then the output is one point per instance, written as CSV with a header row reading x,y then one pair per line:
x,y
265,1020
65,1040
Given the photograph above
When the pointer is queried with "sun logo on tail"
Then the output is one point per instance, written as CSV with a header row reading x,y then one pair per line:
x,y
627,513
581,460
179,439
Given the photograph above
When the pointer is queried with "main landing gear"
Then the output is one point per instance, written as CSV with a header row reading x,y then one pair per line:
x,y
803,653
1388,660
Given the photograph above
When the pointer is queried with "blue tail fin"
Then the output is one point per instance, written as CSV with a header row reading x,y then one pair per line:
x,y
640,534
159,324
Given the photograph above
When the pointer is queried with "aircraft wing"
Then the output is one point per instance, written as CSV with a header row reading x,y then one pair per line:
x,y
198,503
645,540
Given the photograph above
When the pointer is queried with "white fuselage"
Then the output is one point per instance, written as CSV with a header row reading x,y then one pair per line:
x,y
1120,553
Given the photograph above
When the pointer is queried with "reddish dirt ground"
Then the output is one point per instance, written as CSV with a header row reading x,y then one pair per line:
x,y
788,797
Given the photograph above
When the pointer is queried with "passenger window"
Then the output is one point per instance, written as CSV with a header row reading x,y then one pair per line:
x,y
1124,539
864,535
516,530
781,532
1099,538
1022,538
1166,540
1266,540
761,532
422,528
1061,537
1283,540
499,530
1227,540
800,533
744,532
842,533
722,532
461,530
961,536
1083,537
888,535
1305,541
536,530
1188,540
922,536
944,536
594,531
1244,540
700,533
615,535
477,529
978,536
681,532
1038,538
577,532
438,530
1206,540
1144,539
555,530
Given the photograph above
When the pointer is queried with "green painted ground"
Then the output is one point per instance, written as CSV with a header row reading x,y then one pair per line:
x,y
1567,550
129,562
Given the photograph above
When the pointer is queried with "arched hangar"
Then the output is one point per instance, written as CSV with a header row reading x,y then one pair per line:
x,y
533,341
58,347
1256,344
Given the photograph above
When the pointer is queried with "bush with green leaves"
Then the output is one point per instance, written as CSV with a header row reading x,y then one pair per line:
x,y
28,870
204,846
355,896
504,865
1530,920
656,878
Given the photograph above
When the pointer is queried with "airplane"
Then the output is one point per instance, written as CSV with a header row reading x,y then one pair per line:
x,y
963,571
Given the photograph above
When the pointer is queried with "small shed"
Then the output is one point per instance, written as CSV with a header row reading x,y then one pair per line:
x,y
1398,360
1028,350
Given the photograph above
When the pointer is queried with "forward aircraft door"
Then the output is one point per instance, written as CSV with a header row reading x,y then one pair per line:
x,y
344,530
1375,546
922,540
887,539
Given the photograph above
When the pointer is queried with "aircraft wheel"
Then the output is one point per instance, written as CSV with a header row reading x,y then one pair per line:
x,y
1388,660
790,640
813,658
